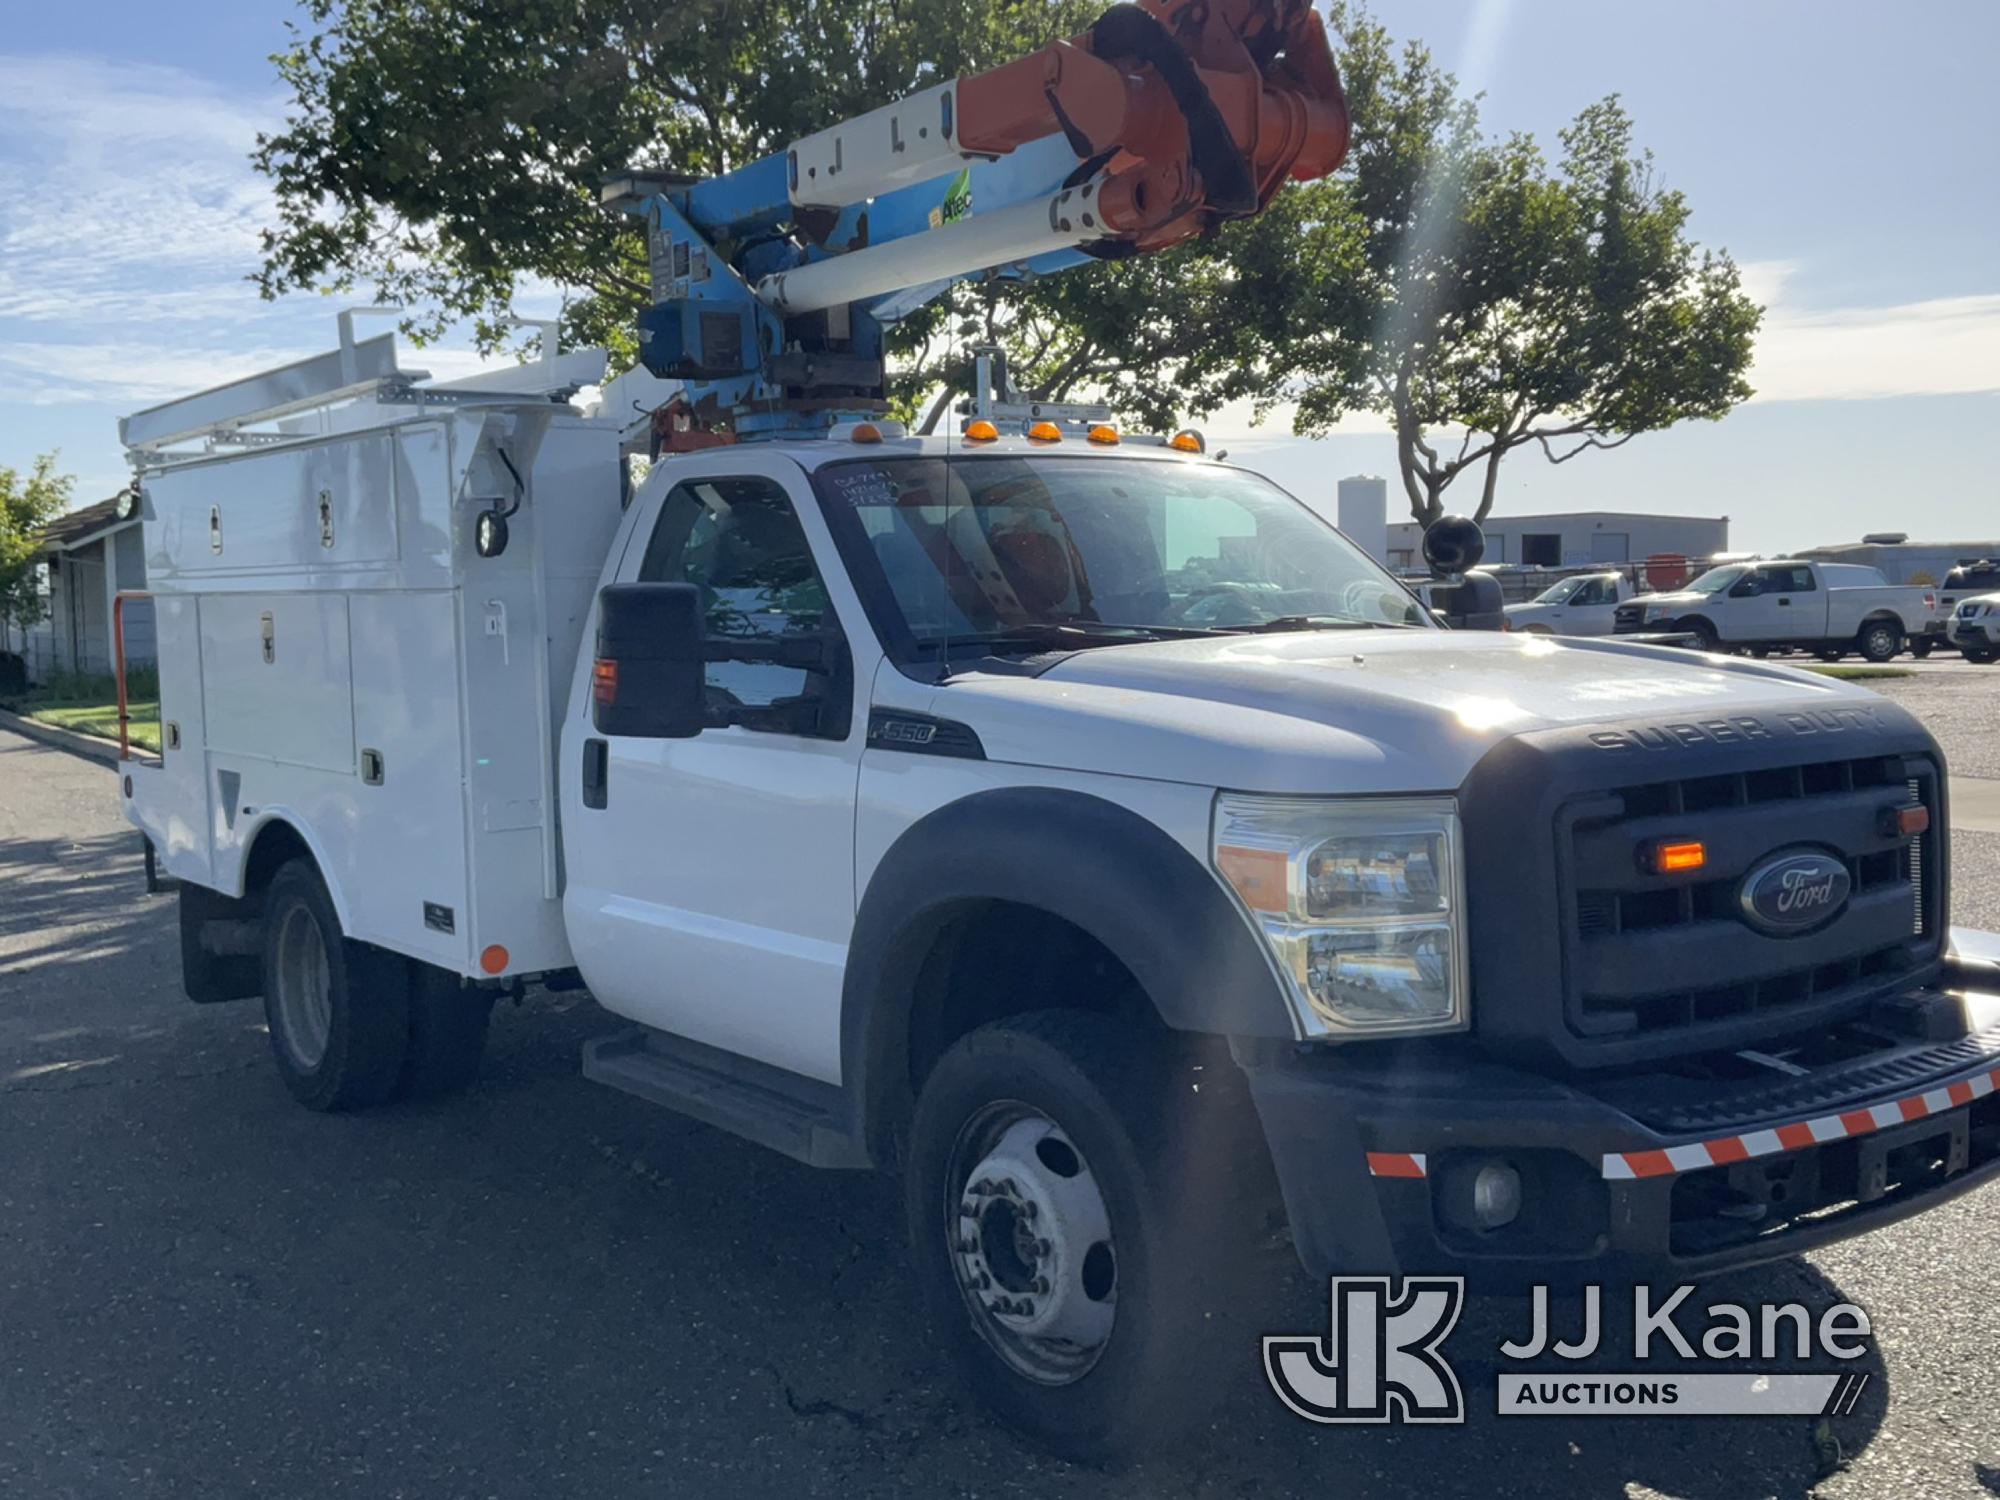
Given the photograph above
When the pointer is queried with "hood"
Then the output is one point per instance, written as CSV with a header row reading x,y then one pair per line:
x,y
1348,711
1683,599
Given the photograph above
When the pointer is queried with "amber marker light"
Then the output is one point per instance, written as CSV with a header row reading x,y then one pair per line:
x,y
1045,432
981,431
1675,856
1259,876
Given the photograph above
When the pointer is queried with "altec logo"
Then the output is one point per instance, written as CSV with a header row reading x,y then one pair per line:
x,y
1380,1361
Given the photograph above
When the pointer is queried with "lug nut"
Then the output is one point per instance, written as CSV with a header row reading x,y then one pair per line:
x,y
1042,1248
1042,1285
1029,1209
985,1281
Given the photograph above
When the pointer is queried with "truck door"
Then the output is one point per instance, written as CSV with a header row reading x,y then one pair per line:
x,y
1758,608
711,880
1591,607
1801,602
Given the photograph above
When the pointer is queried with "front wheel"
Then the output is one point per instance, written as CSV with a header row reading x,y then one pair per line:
x,y
1922,647
338,1010
1880,640
1982,657
1060,1249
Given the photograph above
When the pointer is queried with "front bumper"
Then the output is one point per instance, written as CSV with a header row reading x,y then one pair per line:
x,y
1376,1156
1973,633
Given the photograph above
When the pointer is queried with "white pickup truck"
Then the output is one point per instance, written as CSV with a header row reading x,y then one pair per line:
x,y
1826,608
1582,604
1084,830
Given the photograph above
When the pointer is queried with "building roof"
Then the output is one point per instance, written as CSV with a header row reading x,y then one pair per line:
x,y
80,526
1571,517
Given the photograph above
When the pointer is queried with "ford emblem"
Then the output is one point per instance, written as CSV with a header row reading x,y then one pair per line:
x,y
1791,893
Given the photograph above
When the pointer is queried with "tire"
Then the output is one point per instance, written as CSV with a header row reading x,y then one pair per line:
x,y
1922,647
1829,655
1982,657
448,1021
338,1009
1762,653
1028,1122
1705,638
1880,640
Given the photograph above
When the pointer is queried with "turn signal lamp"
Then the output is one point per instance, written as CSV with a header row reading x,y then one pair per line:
x,y
1675,856
1187,440
1045,432
604,682
1103,434
981,431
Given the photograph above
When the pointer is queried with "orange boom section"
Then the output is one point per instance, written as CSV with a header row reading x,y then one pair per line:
x,y
1197,110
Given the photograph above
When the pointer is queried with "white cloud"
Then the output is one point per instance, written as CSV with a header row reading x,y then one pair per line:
x,y
1941,346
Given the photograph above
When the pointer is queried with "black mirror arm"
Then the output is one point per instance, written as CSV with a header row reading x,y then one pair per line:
x,y
811,653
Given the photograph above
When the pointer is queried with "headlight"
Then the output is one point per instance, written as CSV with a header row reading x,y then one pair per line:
x,y
1362,902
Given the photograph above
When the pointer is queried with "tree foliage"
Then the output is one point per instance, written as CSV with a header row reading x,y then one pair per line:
x,y
442,152
28,503
1502,301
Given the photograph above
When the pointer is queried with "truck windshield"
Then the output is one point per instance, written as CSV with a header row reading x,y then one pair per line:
x,y
1051,552
1559,591
1715,580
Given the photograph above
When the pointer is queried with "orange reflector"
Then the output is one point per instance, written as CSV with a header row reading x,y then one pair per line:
x,y
1676,858
1257,875
604,682
1188,441
981,431
1104,434
1912,820
1045,432
494,959
865,432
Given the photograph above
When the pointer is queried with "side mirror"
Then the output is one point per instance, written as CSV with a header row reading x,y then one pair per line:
x,y
649,679
1745,589
1454,544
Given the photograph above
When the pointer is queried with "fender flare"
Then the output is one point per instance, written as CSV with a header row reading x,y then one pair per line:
x,y
1155,907
286,818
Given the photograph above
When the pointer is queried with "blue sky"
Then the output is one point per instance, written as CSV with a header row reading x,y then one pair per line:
x,y
1843,153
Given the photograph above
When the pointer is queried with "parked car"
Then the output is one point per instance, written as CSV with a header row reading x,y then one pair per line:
x,y
1828,608
1583,604
1974,627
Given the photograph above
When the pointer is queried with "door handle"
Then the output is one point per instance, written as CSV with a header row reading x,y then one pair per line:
x,y
1784,601
596,769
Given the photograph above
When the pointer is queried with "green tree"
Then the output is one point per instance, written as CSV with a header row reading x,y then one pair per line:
x,y
440,152
1499,302
28,503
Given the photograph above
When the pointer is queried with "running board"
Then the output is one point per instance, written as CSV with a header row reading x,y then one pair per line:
x,y
802,1117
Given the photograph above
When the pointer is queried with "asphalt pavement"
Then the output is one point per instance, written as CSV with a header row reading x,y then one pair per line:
x,y
544,1288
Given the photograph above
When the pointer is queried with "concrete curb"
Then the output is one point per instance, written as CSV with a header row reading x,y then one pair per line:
x,y
89,746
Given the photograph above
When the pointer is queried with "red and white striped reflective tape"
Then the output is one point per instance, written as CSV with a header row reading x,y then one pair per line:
x,y
1623,1166
1396,1163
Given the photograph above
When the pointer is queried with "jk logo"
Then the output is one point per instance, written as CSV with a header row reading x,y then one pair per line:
x,y
1379,1361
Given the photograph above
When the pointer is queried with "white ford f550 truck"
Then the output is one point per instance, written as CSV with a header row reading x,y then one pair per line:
x,y
1826,608
1079,827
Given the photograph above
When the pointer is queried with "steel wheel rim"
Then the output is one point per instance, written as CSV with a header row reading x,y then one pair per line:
x,y
305,989
1028,1235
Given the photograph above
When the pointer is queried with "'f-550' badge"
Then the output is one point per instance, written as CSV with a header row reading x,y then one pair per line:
x,y
1793,893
